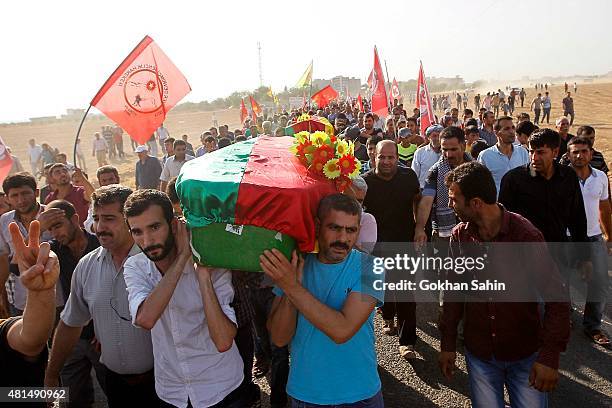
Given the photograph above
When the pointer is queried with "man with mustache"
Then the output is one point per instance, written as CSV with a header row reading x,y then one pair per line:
x,y
187,308
98,292
324,307
79,196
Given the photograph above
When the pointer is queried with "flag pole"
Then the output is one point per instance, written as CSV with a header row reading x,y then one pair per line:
x,y
388,108
74,156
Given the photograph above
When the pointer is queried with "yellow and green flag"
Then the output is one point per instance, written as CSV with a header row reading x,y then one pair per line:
x,y
306,77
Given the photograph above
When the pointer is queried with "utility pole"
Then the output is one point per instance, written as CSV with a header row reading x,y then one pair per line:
x,y
259,59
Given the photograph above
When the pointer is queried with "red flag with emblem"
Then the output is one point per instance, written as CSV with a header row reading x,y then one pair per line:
x,y
6,161
243,111
395,91
141,91
423,102
379,92
324,96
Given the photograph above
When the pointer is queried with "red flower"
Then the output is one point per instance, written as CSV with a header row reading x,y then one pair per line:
x,y
347,164
342,183
323,153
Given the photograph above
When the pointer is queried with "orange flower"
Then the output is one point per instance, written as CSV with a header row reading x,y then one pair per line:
x,y
317,166
323,153
347,164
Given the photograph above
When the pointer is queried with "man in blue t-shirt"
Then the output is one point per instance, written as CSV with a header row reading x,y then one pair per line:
x,y
324,307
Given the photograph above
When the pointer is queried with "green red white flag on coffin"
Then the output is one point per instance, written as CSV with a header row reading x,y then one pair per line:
x,y
377,86
423,102
324,96
258,182
6,161
141,91
243,112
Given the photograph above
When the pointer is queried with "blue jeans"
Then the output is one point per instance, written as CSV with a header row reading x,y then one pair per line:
x,y
487,379
597,289
374,402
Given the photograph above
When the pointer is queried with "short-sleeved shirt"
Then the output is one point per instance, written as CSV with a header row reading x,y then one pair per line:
x,y
424,157
391,204
16,371
499,164
147,173
487,136
77,198
322,371
98,292
172,167
594,189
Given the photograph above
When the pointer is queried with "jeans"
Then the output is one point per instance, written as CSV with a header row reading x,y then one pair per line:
x,y
487,379
76,374
597,288
536,118
546,115
374,402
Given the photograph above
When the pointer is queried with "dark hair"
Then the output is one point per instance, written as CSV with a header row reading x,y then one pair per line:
x,y
497,125
411,119
141,200
106,170
474,180
240,138
341,116
545,137
478,147
19,180
338,202
526,128
468,112
223,142
589,130
453,132
171,191
368,115
579,140
170,140
114,193
374,140
179,142
471,129
57,166
209,138
471,122
64,205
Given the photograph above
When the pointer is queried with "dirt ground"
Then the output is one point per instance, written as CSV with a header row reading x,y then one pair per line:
x,y
592,105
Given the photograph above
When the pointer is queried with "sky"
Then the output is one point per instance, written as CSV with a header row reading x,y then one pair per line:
x,y
57,54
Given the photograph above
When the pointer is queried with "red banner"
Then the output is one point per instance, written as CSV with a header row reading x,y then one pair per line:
x,y
360,100
395,91
423,102
379,92
243,111
324,96
141,91
6,161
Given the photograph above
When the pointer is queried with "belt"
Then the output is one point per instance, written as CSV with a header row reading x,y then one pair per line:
x,y
134,379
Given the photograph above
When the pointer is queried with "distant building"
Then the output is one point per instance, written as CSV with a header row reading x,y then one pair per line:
x,y
73,114
43,119
341,84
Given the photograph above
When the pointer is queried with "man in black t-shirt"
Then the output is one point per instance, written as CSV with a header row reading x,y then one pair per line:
x,y
23,340
390,199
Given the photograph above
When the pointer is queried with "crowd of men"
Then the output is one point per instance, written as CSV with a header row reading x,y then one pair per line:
x,y
108,271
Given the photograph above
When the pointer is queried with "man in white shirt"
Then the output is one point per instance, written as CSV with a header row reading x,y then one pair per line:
x,y
35,155
100,147
162,135
594,187
426,156
186,307
173,165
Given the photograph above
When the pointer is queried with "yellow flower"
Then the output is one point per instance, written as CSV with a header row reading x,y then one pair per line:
x,y
351,148
331,169
302,136
342,148
319,138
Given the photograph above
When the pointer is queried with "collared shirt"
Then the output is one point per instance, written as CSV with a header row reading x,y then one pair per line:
x,y
368,232
598,161
76,197
162,133
188,365
172,167
508,331
15,290
594,189
147,173
546,104
35,153
487,136
98,292
424,157
499,164
99,145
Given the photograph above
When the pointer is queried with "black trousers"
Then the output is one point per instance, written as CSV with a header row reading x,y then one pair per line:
x,y
406,319
131,390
